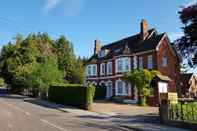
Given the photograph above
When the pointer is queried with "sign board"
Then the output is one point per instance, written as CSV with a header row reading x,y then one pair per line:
x,y
170,96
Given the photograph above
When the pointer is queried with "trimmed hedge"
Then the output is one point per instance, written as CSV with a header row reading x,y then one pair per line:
x,y
100,92
72,95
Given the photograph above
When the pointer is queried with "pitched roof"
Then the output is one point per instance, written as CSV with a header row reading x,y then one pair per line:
x,y
132,44
163,77
186,77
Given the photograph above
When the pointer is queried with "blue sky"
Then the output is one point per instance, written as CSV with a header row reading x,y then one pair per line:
x,y
82,21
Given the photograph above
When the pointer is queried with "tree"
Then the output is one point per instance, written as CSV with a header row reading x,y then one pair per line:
x,y
6,52
71,67
184,68
187,45
22,61
79,72
1,82
44,75
141,79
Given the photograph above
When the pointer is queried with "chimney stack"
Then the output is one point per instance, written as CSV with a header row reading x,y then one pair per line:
x,y
144,29
97,46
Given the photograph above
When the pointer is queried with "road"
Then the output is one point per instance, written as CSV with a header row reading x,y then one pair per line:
x,y
16,114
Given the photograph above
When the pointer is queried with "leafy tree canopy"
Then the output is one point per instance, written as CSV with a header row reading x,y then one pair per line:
x,y
141,79
187,45
37,61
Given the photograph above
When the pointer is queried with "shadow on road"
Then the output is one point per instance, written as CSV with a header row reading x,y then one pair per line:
x,y
45,104
104,126
136,123
148,118
8,96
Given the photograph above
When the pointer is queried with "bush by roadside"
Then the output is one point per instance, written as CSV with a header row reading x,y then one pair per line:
x,y
1,82
72,95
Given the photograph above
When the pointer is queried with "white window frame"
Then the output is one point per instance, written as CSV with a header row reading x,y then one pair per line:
x,y
124,90
109,68
102,69
126,61
103,53
118,63
94,73
163,87
164,59
90,70
141,66
150,62
135,61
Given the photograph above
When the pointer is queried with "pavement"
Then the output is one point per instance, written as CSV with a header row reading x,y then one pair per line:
x,y
112,108
20,113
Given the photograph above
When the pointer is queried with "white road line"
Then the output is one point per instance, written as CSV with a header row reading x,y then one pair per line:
x,y
53,125
10,126
19,109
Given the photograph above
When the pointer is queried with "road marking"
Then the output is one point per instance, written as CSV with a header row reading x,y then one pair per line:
x,y
10,126
19,109
53,125
27,113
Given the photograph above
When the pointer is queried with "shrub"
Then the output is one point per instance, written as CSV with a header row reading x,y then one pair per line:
x,y
100,92
72,95
1,82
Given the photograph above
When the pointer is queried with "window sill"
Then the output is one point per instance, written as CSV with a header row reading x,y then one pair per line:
x,y
122,95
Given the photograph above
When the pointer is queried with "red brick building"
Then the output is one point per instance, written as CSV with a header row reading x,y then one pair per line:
x,y
147,49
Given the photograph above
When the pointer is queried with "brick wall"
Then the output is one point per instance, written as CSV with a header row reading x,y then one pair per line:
x,y
172,68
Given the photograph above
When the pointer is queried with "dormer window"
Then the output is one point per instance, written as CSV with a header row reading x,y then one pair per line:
x,y
103,53
117,50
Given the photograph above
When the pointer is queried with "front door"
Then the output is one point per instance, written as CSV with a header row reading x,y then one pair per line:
x,y
109,90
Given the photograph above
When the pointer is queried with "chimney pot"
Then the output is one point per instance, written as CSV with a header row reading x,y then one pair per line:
x,y
97,46
144,29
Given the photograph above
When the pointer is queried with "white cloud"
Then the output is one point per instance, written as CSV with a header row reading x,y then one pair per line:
x,y
73,7
70,7
175,35
50,4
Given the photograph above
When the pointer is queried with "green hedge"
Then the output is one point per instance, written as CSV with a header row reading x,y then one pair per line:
x,y
100,92
72,95
1,82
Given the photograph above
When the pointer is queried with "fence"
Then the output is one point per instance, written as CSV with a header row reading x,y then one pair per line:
x,y
185,111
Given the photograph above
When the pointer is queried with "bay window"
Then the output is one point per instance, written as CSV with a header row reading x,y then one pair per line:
x,y
102,69
120,65
140,62
123,64
127,64
109,68
150,62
